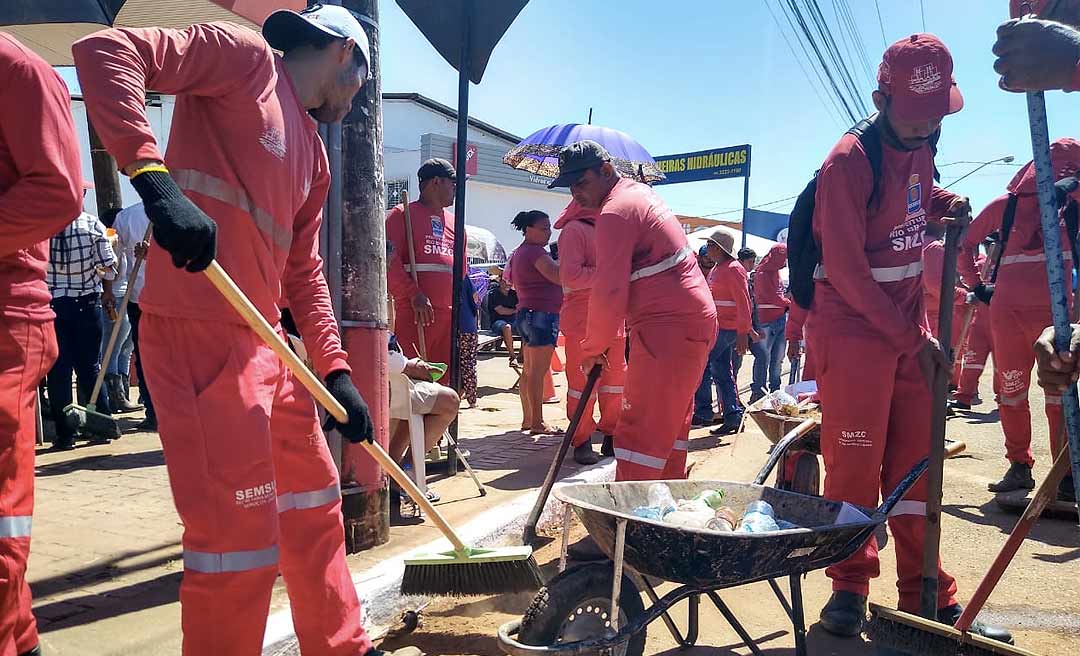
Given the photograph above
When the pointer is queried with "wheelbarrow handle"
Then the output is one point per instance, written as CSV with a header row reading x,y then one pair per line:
x,y
782,446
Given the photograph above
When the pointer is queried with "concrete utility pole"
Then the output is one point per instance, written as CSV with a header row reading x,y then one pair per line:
x,y
106,178
364,318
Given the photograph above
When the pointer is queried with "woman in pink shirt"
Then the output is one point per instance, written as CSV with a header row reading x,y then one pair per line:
x,y
536,279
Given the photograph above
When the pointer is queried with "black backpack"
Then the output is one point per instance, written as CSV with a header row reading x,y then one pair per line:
x,y
804,253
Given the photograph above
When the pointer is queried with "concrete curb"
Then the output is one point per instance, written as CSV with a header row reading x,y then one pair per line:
x,y
378,586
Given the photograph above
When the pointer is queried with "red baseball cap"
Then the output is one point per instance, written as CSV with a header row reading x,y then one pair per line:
x,y
1065,159
916,73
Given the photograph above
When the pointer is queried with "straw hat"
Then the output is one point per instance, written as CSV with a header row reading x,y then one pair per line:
x,y
725,239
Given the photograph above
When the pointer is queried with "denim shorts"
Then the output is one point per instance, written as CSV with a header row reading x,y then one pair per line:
x,y
497,326
538,328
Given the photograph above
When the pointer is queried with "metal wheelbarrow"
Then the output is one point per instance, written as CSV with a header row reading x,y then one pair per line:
x,y
596,608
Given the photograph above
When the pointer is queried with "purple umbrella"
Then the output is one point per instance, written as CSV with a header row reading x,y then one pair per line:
x,y
538,153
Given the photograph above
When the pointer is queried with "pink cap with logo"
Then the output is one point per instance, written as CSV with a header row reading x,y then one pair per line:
x,y
916,73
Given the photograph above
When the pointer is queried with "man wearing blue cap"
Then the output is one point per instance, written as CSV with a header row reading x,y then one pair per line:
x,y
250,471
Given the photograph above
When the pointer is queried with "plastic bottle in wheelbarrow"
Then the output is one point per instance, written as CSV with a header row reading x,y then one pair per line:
x,y
660,503
758,518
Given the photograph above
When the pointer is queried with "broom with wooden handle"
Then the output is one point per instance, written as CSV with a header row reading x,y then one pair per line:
x,y
464,570
86,419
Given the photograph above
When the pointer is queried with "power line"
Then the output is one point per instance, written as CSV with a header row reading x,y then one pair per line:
x,y
802,67
822,61
849,20
851,45
806,56
922,10
881,24
838,60
755,207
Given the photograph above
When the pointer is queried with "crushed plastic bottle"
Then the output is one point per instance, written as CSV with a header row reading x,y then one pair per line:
x,y
714,498
659,496
648,512
692,518
758,518
726,518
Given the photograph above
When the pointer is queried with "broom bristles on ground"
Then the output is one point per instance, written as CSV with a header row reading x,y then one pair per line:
x,y
88,420
480,572
909,634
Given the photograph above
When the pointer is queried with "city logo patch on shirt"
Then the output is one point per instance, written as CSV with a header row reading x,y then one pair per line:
x,y
437,227
925,79
914,195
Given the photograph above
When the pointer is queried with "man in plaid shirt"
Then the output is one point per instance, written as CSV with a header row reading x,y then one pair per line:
x,y
82,265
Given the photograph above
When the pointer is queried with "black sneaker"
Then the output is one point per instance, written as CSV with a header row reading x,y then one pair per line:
x,y
584,455
1017,478
729,427
36,651
63,444
844,614
607,449
959,405
950,614
149,424
1066,490
700,422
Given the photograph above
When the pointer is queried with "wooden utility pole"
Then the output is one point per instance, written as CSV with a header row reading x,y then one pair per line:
x,y
364,320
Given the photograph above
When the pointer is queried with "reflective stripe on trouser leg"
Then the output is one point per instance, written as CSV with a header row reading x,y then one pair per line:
x,y
325,608
27,352
612,387
215,385
655,417
871,437
575,384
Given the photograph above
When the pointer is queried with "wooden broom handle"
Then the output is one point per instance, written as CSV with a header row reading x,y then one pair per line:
x,y
262,328
412,263
118,321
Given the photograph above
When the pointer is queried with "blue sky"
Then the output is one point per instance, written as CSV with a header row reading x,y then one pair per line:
x,y
687,75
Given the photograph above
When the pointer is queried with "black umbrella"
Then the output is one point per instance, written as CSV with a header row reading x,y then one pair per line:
x,y
464,32
29,12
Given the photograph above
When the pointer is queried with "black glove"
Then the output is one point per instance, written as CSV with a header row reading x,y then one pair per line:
x,y
983,292
180,227
360,427
1064,187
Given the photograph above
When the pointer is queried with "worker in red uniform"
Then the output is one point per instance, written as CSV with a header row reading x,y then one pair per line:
x,y
648,278
1020,309
251,475
772,306
40,193
729,285
577,271
933,261
867,326
424,306
975,353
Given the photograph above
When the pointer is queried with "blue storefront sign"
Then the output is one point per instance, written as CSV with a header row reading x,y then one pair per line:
x,y
714,164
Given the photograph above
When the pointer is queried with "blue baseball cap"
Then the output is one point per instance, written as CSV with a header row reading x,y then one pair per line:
x,y
285,29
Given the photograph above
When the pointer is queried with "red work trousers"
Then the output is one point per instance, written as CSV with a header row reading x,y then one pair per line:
x,y
436,336
875,419
976,352
666,361
609,389
1014,331
27,351
255,487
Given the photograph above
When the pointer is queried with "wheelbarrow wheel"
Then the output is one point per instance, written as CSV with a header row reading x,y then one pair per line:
x,y
574,606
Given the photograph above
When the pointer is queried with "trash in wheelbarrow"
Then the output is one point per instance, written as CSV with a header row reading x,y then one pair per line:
x,y
705,557
707,511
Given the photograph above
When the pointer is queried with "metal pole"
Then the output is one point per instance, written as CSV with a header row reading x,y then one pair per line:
x,y
364,319
468,8
745,205
1055,264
